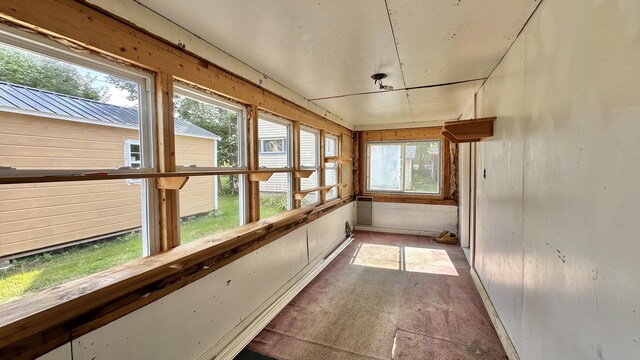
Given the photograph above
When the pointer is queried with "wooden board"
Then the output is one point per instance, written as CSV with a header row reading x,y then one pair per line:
x,y
464,131
67,21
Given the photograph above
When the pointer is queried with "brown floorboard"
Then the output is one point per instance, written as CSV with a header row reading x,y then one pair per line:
x,y
386,296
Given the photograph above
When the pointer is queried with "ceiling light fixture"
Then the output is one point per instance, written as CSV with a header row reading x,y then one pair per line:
x,y
377,79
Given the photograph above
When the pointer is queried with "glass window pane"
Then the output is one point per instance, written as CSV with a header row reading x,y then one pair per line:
x,y
273,138
331,171
57,232
423,167
308,148
209,205
206,134
308,183
67,116
275,195
331,178
385,167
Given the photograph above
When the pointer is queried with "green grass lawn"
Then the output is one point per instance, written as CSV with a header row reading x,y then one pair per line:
x,y
37,272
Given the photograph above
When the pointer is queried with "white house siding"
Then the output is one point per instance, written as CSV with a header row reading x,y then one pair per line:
x,y
278,183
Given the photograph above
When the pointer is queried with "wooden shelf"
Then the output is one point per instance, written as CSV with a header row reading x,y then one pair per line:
x,y
303,173
24,177
299,195
171,183
338,159
465,131
261,176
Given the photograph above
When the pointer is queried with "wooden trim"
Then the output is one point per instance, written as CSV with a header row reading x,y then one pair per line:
x,y
464,131
68,21
338,160
300,174
411,199
137,175
168,198
35,325
402,134
339,170
417,134
296,164
321,166
300,194
172,183
253,161
261,176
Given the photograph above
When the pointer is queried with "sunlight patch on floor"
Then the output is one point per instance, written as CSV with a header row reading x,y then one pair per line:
x,y
404,258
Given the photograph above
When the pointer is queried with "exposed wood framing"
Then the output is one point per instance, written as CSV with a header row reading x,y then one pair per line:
x,y
30,329
340,169
134,175
338,159
169,207
299,195
296,163
68,21
39,323
358,154
444,198
253,162
322,166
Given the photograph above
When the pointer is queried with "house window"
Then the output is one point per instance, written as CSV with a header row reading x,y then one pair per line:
x,y
209,134
309,160
404,167
331,168
273,146
133,158
133,155
275,152
73,112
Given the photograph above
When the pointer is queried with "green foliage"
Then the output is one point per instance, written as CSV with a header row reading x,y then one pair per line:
x,y
217,120
276,201
23,68
130,87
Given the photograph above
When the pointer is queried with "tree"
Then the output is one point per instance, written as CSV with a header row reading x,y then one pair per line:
x,y
219,121
23,68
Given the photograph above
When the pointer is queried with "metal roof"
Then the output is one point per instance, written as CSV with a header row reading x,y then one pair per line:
x,y
72,107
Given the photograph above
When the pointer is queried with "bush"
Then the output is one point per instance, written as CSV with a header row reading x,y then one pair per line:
x,y
275,201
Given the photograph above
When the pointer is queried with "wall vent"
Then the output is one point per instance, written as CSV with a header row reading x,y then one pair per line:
x,y
364,210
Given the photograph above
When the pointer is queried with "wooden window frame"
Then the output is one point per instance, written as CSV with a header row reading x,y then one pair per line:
x,y
406,135
319,167
334,166
289,146
403,191
34,325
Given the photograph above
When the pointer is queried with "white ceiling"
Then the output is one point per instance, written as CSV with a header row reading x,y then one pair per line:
x,y
330,48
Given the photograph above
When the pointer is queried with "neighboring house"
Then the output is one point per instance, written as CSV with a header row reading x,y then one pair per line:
x,y
45,130
273,145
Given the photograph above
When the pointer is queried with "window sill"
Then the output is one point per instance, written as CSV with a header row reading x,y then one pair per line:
x,y
411,198
36,324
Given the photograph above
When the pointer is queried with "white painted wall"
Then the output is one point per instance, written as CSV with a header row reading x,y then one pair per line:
x,y
204,316
557,241
418,219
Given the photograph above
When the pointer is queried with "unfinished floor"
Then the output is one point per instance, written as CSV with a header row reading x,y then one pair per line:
x,y
386,296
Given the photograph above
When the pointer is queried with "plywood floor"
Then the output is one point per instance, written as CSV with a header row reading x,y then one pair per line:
x,y
386,296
